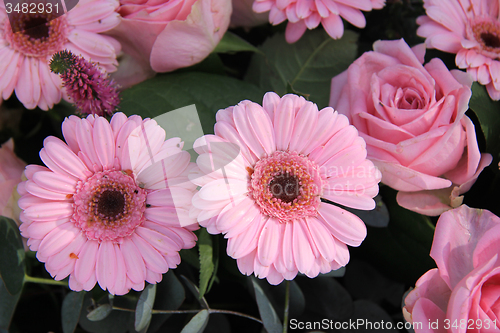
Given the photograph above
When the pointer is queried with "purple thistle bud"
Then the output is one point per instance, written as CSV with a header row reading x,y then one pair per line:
x,y
89,88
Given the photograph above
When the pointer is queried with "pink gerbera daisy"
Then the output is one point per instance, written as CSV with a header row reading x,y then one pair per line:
x,y
103,209
262,177
471,29
27,45
308,14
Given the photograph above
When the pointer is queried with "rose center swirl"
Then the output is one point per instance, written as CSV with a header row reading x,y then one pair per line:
x,y
286,185
109,206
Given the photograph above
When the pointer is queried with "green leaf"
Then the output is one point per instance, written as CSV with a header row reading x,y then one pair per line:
x,y
192,287
198,323
306,66
99,313
206,260
400,251
231,43
12,256
71,309
167,92
326,297
115,322
144,307
169,296
8,304
488,113
270,319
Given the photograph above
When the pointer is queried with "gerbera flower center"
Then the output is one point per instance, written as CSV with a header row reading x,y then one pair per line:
x,y
487,33
286,185
36,35
109,205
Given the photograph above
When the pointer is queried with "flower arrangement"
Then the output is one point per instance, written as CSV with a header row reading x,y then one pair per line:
x,y
249,165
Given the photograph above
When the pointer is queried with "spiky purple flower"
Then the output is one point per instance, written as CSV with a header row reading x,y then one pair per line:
x,y
89,88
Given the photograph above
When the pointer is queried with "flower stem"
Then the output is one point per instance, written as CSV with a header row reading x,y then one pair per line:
x,y
33,279
287,306
195,311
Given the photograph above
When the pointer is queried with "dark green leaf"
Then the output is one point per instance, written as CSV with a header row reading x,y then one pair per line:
x,y
336,273
198,323
206,260
407,239
366,312
327,297
306,67
115,322
232,43
270,319
12,256
488,113
378,217
99,313
167,92
169,296
8,304
192,287
71,309
144,307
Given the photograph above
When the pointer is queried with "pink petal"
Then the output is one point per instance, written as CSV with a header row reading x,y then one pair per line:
x,y
103,134
57,239
269,239
64,157
136,268
85,265
302,251
322,238
178,45
405,179
153,259
288,257
294,31
106,265
333,26
55,182
344,225
457,234
244,243
120,286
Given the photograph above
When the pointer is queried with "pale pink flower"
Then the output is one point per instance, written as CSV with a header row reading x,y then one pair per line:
x,y
164,35
412,117
11,170
103,209
25,54
262,177
471,29
308,14
461,294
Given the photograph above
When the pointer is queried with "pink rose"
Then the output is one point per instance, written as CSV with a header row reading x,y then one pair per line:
x,y
11,169
463,292
244,16
163,35
412,118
